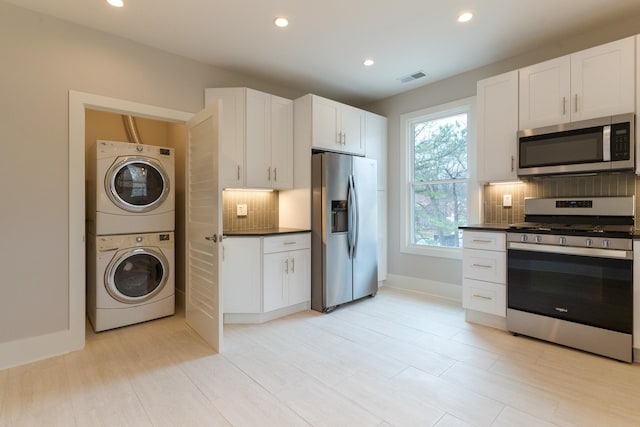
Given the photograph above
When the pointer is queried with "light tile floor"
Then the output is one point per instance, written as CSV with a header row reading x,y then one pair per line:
x,y
399,359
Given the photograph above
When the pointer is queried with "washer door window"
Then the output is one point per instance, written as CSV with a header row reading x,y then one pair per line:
x,y
136,275
137,184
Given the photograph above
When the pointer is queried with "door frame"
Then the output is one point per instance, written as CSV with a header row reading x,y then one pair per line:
x,y
78,102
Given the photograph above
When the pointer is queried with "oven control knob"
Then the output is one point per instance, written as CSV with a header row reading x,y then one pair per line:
x,y
588,242
524,238
538,239
605,243
563,240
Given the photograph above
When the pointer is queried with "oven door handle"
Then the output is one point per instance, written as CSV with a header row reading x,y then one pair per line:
x,y
569,250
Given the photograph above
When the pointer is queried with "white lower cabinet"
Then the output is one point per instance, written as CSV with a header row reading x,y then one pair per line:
x,y
270,279
286,279
484,271
242,291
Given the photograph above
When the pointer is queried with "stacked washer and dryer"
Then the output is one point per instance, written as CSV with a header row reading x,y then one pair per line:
x,y
130,233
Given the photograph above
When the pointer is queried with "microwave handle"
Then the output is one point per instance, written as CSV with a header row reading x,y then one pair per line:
x,y
606,143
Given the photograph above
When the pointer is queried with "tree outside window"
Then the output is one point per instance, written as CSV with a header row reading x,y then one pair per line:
x,y
439,180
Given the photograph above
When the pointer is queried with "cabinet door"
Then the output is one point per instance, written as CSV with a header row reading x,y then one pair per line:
x,y
375,142
352,128
545,93
232,137
275,289
299,276
281,143
602,80
242,291
497,101
325,130
258,139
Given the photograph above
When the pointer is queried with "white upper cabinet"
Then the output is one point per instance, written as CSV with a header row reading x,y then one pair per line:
x,y
376,144
333,126
545,93
281,142
256,138
638,108
497,102
232,128
592,83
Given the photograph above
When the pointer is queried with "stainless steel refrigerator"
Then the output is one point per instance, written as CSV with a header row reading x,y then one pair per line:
x,y
344,225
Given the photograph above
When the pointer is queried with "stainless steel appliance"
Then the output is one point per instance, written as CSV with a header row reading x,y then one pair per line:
x,y
344,256
570,273
605,144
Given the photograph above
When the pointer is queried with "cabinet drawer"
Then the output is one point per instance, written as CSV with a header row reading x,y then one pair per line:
x,y
485,297
489,266
287,242
490,241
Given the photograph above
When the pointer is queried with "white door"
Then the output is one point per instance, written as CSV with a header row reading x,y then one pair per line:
x,y
203,200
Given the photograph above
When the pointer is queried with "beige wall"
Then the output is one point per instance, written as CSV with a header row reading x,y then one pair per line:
x,y
443,270
42,59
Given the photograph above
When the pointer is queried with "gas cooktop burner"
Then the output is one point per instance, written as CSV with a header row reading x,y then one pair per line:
x,y
569,228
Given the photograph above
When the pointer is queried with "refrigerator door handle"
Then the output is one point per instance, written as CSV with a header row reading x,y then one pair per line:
x,y
350,224
356,218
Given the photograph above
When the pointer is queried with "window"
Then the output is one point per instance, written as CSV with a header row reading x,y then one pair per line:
x,y
439,192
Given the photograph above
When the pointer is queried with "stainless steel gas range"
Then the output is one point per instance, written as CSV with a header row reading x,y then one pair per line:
x,y
570,273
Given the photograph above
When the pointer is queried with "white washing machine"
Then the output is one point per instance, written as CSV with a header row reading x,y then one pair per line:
x,y
130,278
130,188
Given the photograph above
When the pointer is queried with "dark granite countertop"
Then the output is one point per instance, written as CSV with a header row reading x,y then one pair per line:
x,y
485,227
265,232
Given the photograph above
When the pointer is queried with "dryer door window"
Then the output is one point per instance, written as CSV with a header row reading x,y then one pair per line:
x,y
137,275
137,184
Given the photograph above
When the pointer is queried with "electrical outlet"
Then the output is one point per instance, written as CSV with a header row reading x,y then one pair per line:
x,y
506,201
241,210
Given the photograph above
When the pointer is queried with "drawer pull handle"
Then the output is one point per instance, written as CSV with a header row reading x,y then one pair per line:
x,y
482,265
482,297
482,241
289,243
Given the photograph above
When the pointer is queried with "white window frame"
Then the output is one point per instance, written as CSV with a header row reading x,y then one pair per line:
x,y
466,105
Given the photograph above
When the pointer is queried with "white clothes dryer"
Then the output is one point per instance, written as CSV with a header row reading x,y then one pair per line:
x,y
130,188
130,278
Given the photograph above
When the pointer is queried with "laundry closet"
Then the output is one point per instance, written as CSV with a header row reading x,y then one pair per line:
x,y
134,173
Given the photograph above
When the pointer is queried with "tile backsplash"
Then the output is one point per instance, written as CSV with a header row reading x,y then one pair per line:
x,y
262,210
612,184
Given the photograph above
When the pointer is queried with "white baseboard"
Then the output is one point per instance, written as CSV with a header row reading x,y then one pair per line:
x,y
27,350
450,291
230,318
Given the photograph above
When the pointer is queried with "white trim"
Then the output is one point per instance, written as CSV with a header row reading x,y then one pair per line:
x,y
467,105
449,291
27,350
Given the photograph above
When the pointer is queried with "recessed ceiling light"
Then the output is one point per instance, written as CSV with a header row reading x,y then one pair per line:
x,y
465,17
281,22
368,62
116,3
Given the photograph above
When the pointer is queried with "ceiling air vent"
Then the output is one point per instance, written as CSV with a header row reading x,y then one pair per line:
x,y
413,76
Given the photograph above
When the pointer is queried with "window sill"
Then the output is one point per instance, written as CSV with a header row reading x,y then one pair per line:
x,y
432,251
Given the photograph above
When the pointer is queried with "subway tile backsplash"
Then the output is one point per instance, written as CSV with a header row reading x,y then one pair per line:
x,y
612,184
262,210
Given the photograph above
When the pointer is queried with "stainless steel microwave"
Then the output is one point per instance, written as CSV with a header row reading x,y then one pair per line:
x,y
596,145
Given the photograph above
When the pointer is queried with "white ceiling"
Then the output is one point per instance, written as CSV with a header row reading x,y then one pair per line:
x,y
323,48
